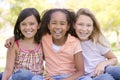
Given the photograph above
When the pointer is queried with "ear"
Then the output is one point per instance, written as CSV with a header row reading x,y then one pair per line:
x,y
48,26
68,27
74,26
39,25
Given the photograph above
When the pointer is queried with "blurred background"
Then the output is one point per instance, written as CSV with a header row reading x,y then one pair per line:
x,y
106,11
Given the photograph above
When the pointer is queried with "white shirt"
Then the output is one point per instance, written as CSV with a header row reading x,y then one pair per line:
x,y
56,48
93,54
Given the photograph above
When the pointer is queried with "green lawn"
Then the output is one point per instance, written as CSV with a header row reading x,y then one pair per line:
x,y
117,53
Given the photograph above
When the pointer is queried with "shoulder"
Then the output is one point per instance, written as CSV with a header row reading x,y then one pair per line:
x,y
73,43
46,36
12,50
14,47
72,38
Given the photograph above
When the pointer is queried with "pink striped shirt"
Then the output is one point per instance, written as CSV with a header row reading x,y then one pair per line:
x,y
29,59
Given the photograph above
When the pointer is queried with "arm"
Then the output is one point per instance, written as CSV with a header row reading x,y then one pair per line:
x,y
9,42
9,63
111,60
79,64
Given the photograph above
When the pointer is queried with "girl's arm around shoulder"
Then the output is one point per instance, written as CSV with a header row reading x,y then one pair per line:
x,y
79,65
10,60
10,42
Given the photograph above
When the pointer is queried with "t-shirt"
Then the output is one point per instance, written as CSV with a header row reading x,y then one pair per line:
x,y
61,61
93,54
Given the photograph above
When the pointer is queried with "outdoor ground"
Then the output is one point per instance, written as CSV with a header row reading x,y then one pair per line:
x,y
8,32
4,34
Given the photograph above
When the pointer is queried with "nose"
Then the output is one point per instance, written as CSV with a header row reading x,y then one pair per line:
x,y
58,26
28,26
84,27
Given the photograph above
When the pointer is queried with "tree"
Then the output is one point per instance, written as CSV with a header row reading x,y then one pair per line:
x,y
106,11
18,5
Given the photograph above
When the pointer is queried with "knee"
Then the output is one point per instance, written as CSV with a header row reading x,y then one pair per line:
x,y
22,74
105,76
113,69
37,77
85,78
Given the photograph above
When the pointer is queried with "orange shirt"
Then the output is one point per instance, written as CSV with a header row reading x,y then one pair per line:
x,y
61,62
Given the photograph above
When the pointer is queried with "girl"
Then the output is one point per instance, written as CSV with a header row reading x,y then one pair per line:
x,y
25,57
99,60
62,51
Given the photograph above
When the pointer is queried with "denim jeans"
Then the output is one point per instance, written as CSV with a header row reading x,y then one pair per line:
x,y
37,77
111,73
114,71
104,76
1,76
60,77
22,74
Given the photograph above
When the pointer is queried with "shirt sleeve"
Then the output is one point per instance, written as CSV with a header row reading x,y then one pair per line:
x,y
103,50
78,47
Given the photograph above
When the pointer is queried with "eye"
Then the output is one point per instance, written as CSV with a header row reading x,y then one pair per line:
x,y
62,23
23,24
80,24
32,23
53,23
89,25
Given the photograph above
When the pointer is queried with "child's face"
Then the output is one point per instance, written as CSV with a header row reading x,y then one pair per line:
x,y
58,25
84,27
29,26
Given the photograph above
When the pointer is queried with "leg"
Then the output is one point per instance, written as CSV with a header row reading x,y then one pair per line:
x,y
60,77
104,76
22,74
1,76
37,77
85,78
114,71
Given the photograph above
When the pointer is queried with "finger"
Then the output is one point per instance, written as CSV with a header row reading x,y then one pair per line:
x,y
6,45
10,44
95,73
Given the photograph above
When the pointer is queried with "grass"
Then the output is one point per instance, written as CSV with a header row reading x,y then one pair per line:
x,y
1,69
117,53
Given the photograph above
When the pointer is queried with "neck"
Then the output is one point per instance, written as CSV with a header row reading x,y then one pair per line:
x,y
60,42
29,40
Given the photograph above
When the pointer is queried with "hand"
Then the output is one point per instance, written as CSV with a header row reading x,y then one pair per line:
x,y
65,79
9,42
100,68
48,78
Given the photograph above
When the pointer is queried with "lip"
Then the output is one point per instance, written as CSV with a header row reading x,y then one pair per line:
x,y
83,34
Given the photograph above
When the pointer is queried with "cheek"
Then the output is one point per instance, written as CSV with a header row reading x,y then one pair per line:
x,y
49,28
91,29
77,28
20,28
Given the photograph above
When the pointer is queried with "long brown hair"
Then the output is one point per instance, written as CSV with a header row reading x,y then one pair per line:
x,y
97,35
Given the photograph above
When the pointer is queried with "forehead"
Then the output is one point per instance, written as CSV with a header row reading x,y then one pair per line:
x,y
58,15
84,17
30,18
